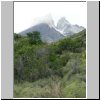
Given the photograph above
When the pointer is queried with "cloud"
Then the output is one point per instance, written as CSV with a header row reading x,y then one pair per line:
x,y
27,14
44,19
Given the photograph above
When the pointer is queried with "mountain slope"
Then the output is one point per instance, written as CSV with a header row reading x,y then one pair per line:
x,y
48,33
51,33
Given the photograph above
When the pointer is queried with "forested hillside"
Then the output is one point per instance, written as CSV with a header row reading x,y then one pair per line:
x,y
54,70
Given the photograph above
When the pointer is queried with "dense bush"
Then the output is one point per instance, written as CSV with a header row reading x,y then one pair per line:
x,y
49,70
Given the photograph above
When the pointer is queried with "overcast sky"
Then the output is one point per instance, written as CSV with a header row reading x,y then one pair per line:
x,y
26,13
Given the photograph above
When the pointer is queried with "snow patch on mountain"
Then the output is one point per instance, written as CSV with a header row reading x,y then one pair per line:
x,y
67,28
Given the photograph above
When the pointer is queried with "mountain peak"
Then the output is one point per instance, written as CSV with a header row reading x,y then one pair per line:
x,y
67,28
63,20
49,32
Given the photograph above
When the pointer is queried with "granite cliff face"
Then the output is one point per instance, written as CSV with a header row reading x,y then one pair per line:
x,y
67,28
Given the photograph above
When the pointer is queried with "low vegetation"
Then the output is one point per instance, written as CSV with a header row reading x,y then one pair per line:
x,y
56,70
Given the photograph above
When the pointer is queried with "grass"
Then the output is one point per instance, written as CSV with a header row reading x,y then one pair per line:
x,y
53,87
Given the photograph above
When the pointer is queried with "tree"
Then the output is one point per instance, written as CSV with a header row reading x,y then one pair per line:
x,y
34,37
16,36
